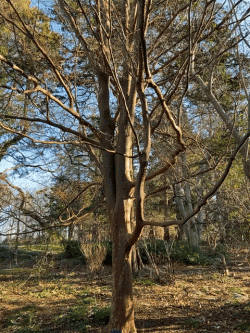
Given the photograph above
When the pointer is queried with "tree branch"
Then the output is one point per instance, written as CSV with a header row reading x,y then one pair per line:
x,y
205,199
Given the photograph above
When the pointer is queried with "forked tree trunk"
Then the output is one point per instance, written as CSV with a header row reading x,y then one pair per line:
x,y
120,203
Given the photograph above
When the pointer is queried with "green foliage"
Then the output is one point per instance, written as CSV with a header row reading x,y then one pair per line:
x,y
193,323
52,248
189,254
243,326
247,307
179,252
72,250
146,282
155,246
27,330
102,315
218,142
78,315
7,253
78,312
215,276
88,301
108,259
236,290
24,321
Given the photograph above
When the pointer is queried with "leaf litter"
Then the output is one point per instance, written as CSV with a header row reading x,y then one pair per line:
x,y
194,299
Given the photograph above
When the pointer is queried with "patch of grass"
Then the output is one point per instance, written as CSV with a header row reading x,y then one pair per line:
x,y
81,325
53,291
105,288
247,308
145,282
78,315
51,248
215,276
101,315
193,323
235,290
28,330
204,289
84,293
243,326
78,312
24,321
88,301
8,253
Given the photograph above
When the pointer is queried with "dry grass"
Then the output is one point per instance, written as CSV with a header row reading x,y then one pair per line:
x,y
95,253
199,299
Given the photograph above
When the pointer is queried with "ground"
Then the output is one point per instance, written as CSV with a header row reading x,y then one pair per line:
x,y
38,295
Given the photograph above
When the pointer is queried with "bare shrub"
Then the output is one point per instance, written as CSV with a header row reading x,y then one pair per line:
x,y
95,253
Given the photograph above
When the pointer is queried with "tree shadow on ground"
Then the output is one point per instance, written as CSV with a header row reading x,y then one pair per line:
x,y
223,319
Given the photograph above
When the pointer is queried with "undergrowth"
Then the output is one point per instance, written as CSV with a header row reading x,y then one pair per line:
x,y
177,251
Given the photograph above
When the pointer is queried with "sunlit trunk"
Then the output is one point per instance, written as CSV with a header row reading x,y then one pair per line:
x,y
122,315
120,202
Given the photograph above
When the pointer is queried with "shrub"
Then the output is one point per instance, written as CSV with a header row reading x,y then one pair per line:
x,y
72,250
156,247
108,259
6,253
189,254
179,251
95,253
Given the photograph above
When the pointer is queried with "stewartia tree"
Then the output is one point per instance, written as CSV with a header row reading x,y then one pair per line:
x,y
113,80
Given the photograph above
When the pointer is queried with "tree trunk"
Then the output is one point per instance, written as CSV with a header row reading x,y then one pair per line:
x,y
17,235
120,204
136,260
181,213
122,315
166,235
70,231
191,229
